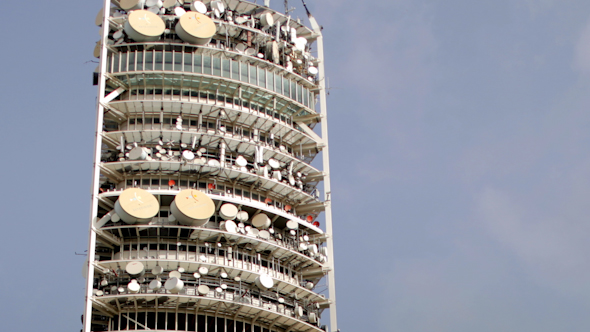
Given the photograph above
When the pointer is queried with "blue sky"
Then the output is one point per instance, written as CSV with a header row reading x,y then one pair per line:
x,y
460,166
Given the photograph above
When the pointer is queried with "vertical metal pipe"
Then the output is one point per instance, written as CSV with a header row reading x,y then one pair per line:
x,y
326,168
96,170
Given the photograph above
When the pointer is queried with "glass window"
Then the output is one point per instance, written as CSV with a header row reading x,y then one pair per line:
x,y
198,64
191,322
139,61
149,60
168,60
123,61
269,81
201,323
141,320
261,78
161,324
181,322
131,66
206,64
171,321
151,320
299,93
235,70
305,97
225,66
116,64
253,79
158,60
210,324
216,66
177,61
188,62
293,89
278,84
244,72
286,90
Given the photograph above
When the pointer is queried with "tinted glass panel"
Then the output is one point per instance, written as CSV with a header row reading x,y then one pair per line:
x,y
207,64
198,63
225,65
217,66
131,66
158,60
168,61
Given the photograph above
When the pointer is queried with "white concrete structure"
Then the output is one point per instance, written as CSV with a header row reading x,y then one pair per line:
x,y
204,200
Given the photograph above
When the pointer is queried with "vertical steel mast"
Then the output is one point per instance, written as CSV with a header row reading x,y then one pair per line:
x,y
204,204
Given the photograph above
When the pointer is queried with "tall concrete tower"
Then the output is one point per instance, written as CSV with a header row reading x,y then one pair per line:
x,y
207,214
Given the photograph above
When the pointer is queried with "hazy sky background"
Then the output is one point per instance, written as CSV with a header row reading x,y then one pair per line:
x,y
459,135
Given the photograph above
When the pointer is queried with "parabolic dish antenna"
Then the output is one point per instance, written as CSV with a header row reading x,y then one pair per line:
x,y
195,28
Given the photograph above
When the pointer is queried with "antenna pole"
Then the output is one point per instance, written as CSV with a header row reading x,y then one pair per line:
x,y
96,170
326,167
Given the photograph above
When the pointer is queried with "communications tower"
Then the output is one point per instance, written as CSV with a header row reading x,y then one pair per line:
x,y
205,203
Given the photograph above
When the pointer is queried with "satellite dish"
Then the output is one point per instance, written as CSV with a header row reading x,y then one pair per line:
x,y
154,9
300,43
153,3
292,224
144,25
179,11
155,284
136,206
174,285
203,271
195,28
128,5
99,17
264,281
312,71
135,269
188,155
312,317
242,216
192,207
230,227
174,274
198,6
203,290
96,52
264,234
241,47
241,161
228,211
168,4
266,20
138,153
218,5
261,220
133,286
118,34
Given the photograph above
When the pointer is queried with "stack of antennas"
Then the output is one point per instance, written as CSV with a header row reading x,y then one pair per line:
x,y
206,208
